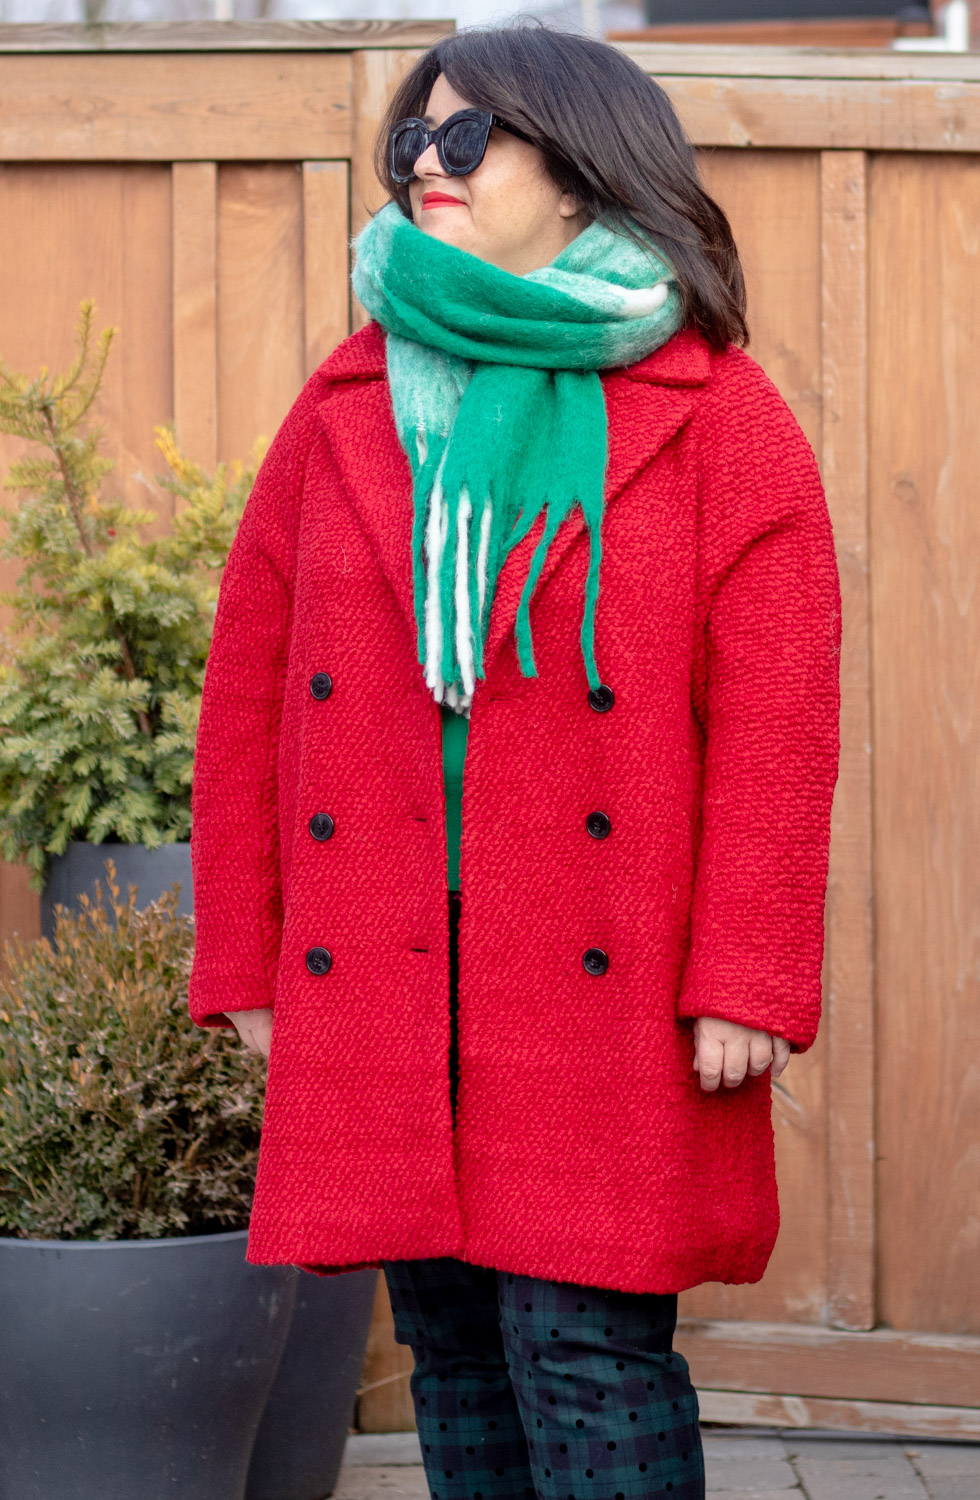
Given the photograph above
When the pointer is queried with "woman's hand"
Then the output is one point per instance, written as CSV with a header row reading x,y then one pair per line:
x,y
254,1027
724,1052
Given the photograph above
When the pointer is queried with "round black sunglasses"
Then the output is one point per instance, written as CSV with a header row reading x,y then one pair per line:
x,y
460,141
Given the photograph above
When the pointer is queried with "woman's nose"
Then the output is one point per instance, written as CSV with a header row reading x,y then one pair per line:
x,y
428,164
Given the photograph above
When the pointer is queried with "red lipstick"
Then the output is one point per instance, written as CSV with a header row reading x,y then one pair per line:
x,y
436,200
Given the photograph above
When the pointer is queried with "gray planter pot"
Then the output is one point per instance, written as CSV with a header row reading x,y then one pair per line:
x,y
135,1368
152,871
300,1444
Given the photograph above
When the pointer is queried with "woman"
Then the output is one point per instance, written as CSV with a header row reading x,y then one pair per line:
x,y
543,510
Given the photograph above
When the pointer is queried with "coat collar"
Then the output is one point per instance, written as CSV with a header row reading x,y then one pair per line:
x,y
638,428
684,359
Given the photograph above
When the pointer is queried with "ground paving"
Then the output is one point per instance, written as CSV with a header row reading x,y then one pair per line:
x,y
740,1464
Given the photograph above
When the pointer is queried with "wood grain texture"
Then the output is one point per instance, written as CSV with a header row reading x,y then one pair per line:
x,y
374,77
664,60
71,232
195,309
882,1365
850,1001
773,202
261,325
953,1423
384,1399
219,36
160,107
326,258
925,591
839,32
825,114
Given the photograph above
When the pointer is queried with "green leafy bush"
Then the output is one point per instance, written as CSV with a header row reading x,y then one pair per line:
x,y
101,674
119,1118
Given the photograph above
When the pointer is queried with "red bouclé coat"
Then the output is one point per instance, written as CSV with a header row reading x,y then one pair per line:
x,y
585,1149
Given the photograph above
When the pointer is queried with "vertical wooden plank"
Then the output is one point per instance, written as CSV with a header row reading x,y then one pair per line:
x,y
924,316
375,74
773,202
326,258
72,231
384,1398
850,1018
195,309
261,332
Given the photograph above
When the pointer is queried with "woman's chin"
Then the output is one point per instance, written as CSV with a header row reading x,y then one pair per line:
x,y
449,233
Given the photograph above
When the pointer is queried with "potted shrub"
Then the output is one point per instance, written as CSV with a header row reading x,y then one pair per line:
x,y
139,1348
102,667
100,684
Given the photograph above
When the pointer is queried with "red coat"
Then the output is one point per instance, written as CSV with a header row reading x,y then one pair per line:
x,y
585,1149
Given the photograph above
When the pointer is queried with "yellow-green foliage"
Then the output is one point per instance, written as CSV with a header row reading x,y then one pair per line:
x,y
119,1118
101,674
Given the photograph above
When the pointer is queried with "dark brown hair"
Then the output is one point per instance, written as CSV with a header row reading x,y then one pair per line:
x,y
609,136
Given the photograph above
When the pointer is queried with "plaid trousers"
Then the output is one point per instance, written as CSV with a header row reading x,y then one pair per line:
x,y
526,1389
544,1389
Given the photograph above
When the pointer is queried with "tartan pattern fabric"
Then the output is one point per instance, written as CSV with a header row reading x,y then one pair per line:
x,y
526,1389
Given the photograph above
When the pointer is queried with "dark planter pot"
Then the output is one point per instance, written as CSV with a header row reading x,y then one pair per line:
x,y
152,871
300,1444
135,1368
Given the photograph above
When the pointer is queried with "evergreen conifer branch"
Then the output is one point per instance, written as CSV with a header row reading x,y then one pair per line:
x,y
102,669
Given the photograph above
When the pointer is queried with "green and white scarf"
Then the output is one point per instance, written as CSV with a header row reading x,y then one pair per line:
x,y
501,413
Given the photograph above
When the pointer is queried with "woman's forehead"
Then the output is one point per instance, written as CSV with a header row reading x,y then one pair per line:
x,y
443,101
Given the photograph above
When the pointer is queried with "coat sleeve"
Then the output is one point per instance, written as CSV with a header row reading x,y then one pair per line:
x,y
766,691
234,799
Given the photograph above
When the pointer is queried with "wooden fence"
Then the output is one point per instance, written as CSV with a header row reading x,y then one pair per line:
x,y
202,183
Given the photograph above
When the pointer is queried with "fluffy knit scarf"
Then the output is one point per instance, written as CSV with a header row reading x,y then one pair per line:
x,y
500,411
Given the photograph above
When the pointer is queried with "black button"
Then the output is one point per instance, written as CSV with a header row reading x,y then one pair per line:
x,y
598,825
321,684
595,961
321,826
601,698
318,960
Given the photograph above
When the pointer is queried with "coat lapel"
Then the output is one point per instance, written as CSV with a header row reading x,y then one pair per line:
x,y
360,426
645,405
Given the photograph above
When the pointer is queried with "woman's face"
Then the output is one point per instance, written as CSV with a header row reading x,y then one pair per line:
x,y
508,212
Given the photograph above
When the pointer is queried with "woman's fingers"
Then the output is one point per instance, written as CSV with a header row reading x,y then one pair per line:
x,y
725,1052
709,1057
254,1027
780,1055
736,1061
760,1052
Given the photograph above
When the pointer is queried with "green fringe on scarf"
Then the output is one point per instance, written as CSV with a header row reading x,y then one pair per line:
x,y
501,413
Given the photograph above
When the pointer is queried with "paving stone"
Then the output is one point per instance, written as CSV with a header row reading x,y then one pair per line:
x,y
383,1448
366,1482
888,1477
727,1446
954,1487
828,1449
796,1494
946,1460
748,1476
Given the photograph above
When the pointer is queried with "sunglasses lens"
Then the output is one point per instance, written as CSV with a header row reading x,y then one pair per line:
x,y
407,144
464,144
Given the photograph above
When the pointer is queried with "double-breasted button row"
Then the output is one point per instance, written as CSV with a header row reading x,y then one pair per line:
x,y
596,960
319,960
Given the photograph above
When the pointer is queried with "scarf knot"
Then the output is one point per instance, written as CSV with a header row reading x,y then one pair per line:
x,y
500,411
